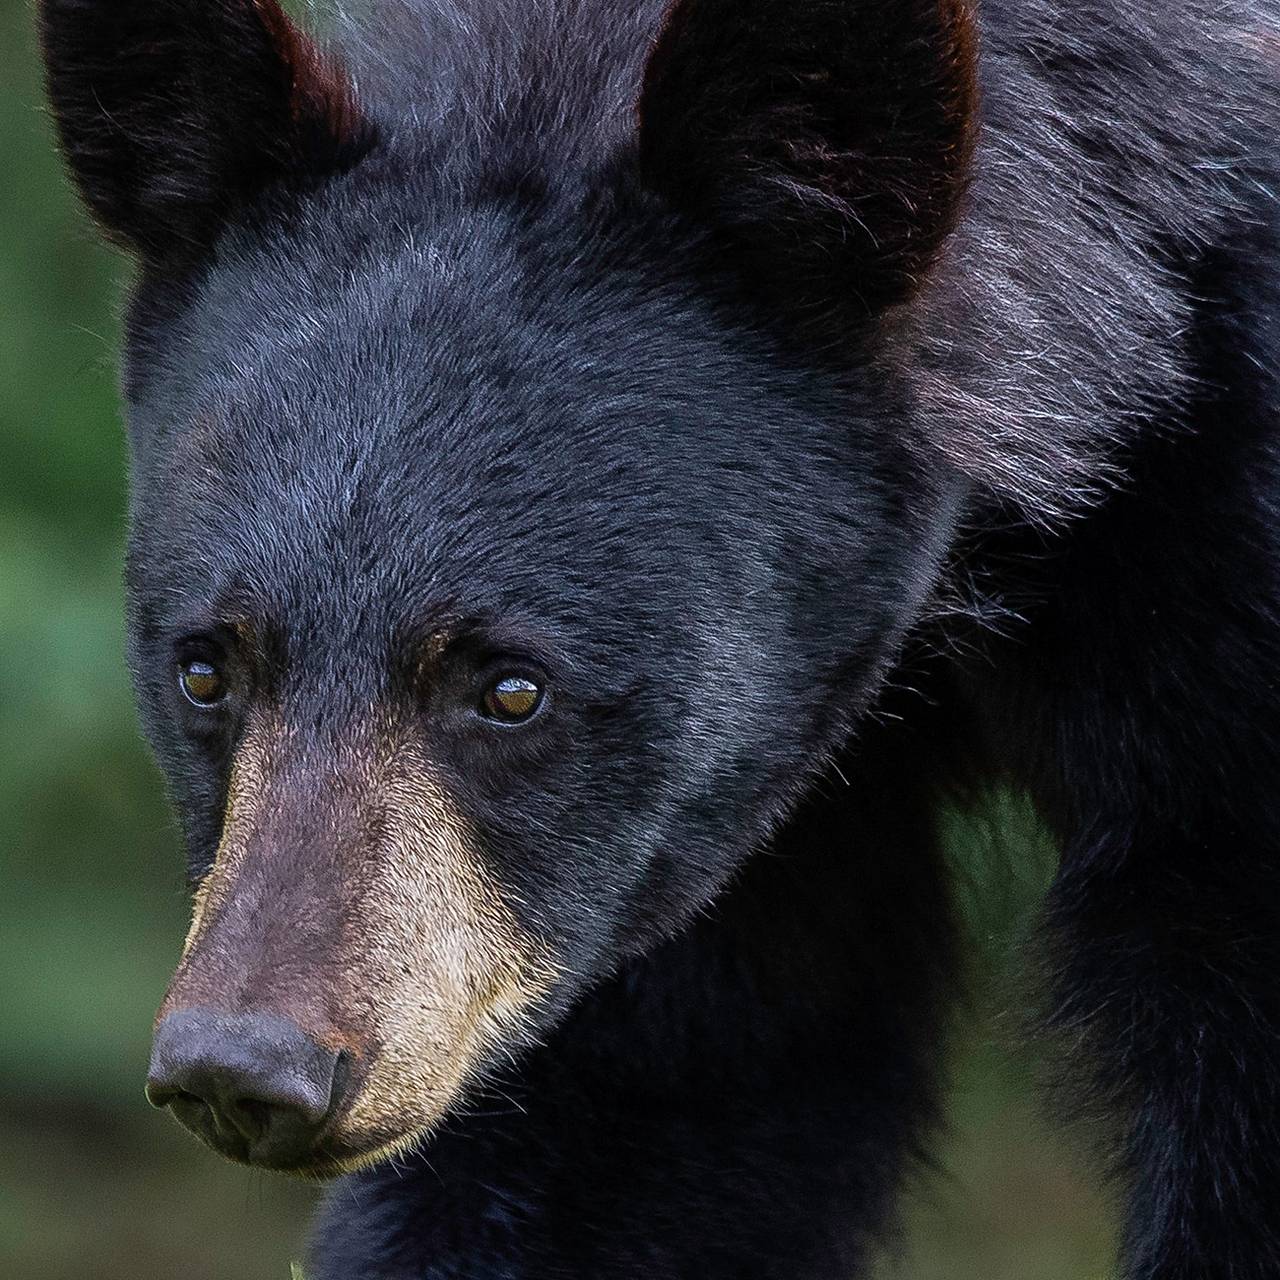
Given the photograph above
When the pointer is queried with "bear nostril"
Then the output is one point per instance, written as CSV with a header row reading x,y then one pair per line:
x,y
192,1112
254,1118
254,1086
160,1096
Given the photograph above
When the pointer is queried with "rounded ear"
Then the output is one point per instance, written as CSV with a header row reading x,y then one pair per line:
x,y
831,137
174,112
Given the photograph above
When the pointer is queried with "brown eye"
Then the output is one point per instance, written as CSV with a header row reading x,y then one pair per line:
x,y
202,683
511,700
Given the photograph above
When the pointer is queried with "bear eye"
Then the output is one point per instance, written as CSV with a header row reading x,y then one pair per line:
x,y
511,700
202,683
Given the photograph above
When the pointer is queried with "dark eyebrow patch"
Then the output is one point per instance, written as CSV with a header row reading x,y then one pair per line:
x,y
258,643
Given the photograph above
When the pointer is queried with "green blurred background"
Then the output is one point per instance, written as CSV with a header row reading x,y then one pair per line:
x,y
93,1184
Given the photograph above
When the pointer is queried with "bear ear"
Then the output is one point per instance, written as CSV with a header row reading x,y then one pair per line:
x,y
174,112
831,137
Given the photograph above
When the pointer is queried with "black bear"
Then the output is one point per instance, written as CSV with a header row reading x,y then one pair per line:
x,y
602,471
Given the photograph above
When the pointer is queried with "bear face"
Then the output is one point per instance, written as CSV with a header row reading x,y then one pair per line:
x,y
501,567
406,481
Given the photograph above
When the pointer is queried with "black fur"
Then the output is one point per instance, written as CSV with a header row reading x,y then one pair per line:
x,y
173,114
850,139
929,351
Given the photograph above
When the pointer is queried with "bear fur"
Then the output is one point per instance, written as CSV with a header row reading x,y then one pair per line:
x,y
846,405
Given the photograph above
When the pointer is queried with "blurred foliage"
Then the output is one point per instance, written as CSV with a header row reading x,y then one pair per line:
x,y
92,910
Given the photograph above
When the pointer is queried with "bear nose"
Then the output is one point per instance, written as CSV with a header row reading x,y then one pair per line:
x,y
253,1085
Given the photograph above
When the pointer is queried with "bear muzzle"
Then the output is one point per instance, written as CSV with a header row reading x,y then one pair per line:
x,y
351,962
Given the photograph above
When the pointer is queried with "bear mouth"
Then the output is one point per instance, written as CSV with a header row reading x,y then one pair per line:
x,y
332,1154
